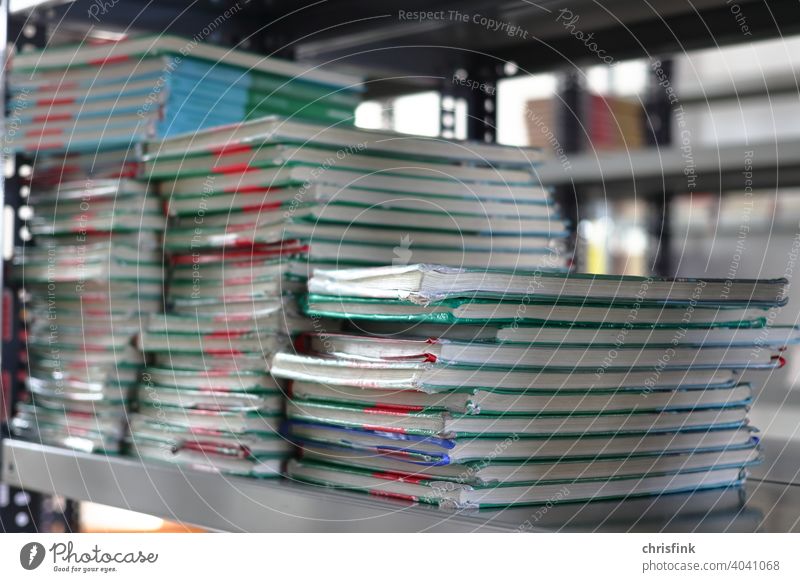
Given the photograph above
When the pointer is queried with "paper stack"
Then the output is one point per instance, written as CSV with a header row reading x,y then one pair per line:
x,y
116,94
356,197
208,400
482,388
92,276
256,206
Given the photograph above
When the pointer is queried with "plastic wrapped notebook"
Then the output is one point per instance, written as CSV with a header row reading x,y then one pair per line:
x,y
484,451
533,311
292,131
426,283
214,451
544,355
596,333
163,165
451,494
499,400
540,470
446,425
428,376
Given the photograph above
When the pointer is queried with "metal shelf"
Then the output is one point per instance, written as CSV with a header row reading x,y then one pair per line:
x,y
653,170
768,85
237,504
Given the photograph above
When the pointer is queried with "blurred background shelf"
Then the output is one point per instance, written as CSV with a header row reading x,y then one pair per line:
x,y
234,504
656,169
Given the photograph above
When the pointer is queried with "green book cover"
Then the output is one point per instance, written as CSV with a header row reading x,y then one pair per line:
x,y
447,311
448,425
423,490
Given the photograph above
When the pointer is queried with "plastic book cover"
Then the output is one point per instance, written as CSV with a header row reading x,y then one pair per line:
x,y
463,425
509,311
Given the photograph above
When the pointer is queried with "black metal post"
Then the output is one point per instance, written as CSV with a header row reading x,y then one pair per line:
x,y
474,80
658,125
20,511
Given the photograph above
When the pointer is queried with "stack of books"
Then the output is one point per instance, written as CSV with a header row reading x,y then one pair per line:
x,y
207,400
117,94
92,168
356,197
255,207
482,388
94,273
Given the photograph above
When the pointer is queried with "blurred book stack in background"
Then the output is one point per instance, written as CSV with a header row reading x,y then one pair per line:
x,y
116,94
544,124
92,272
468,387
602,122
613,123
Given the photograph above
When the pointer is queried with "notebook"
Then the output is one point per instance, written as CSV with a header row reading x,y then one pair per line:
x,y
291,131
530,311
461,496
425,283
435,377
445,425
521,356
498,400
536,471
421,451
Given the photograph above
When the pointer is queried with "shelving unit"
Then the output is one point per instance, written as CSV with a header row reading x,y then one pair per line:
x,y
401,57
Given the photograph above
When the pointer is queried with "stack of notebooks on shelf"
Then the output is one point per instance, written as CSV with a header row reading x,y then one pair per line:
x,y
481,388
354,197
94,272
254,207
105,164
77,97
207,400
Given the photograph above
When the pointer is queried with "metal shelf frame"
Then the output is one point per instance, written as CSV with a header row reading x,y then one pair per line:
x,y
20,511
375,36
